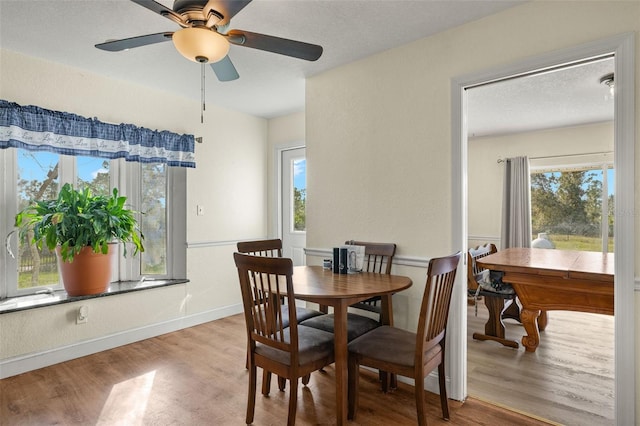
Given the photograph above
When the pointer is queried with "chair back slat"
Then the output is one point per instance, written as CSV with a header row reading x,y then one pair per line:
x,y
436,300
266,248
265,282
473,270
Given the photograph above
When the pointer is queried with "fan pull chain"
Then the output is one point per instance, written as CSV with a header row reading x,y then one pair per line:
x,y
202,106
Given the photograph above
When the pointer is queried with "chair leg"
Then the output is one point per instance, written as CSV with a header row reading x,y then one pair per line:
x,y
266,382
293,402
444,401
305,379
384,380
251,399
282,383
352,392
420,409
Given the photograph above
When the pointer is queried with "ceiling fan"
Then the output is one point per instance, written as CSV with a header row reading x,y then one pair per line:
x,y
204,37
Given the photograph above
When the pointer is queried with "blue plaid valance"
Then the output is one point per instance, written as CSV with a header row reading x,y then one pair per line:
x,y
38,129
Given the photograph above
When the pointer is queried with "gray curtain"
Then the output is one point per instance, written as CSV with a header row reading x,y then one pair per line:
x,y
516,204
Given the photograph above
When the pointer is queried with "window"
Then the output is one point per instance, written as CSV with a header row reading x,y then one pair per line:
x,y
39,174
153,223
37,179
574,206
299,194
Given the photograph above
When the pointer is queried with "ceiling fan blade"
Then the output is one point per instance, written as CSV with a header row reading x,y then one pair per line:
x,y
224,69
283,46
130,43
160,9
226,8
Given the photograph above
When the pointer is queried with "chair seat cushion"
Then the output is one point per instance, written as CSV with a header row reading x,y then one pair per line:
x,y
390,344
357,325
301,314
313,344
305,313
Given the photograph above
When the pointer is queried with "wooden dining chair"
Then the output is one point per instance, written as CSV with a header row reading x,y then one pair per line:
x,y
290,352
499,305
377,258
273,248
409,354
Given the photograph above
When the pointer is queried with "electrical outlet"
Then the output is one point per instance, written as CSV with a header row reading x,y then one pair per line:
x,y
82,315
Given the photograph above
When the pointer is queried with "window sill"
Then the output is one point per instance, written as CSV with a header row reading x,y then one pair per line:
x,y
22,303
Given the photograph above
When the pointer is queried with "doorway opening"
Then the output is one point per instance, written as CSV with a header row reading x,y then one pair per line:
x,y
562,120
621,47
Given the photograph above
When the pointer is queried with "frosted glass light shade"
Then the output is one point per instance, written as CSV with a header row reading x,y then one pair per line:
x,y
200,44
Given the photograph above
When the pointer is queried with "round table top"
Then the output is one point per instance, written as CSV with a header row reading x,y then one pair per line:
x,y
317,281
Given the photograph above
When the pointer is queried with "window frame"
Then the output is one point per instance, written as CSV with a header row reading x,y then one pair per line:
x,y
126,176
603,163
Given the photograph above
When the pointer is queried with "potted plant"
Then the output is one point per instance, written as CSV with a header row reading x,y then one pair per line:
x,y
83,229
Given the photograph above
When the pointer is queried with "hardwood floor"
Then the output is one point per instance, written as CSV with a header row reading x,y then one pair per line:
x,y
569,379
196,376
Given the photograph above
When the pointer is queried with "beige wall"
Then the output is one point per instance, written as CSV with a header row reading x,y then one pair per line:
x,y
379,130
284,132
485,173
228,182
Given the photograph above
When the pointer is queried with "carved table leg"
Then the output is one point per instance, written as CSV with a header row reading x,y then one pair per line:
x,y
543,320
529,321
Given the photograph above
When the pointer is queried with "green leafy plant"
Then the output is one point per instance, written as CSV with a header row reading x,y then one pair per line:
x,y
77,219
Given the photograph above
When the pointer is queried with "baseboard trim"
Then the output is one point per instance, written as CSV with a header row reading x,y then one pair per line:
x,y
22,364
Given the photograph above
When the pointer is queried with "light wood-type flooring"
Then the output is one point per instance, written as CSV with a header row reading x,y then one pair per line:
x,y
569,379
197,376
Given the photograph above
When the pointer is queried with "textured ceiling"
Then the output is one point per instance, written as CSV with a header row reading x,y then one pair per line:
x,y
270,85
565,97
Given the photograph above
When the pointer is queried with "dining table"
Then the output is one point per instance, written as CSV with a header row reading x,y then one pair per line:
x,y
320,285
550,279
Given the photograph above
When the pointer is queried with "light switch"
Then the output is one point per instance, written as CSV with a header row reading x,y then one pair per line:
x,y
200,210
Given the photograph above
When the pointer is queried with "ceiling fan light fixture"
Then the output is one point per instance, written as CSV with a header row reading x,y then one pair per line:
x,y
200,44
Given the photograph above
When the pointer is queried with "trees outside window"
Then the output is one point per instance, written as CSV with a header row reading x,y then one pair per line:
x,y
299,195
567,205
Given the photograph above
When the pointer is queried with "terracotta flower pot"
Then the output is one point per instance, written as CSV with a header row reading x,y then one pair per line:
x,y
88,273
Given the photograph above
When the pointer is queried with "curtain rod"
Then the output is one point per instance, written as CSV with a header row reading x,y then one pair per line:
x,y
501,160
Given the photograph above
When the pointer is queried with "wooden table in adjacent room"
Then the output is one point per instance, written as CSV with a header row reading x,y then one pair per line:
x,y
322,286
548,279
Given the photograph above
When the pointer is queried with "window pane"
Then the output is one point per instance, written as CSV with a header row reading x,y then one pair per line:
x,y
567,205
154,219
94,173
37,179
299,194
